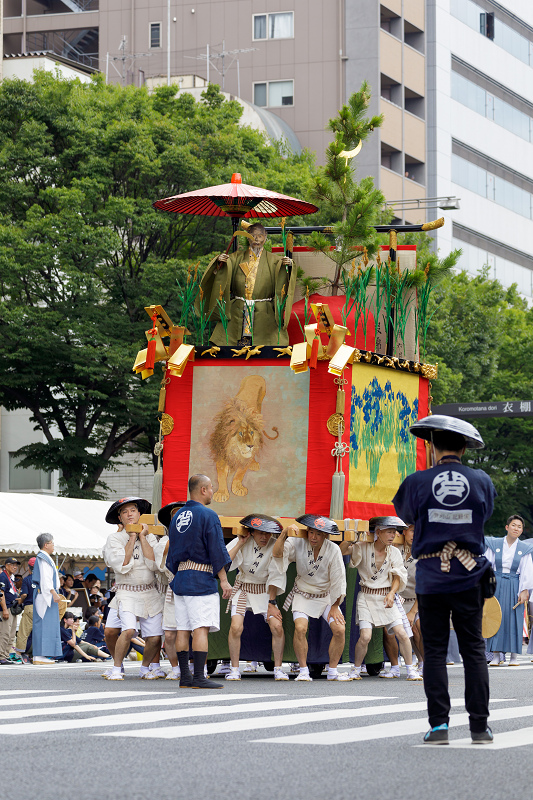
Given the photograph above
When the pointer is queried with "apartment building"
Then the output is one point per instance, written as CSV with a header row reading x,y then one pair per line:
x,y
480,132
298,61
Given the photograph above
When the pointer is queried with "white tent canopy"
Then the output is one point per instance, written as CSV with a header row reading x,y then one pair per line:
x,y
78,526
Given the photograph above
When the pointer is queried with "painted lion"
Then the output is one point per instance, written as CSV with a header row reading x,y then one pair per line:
x,y
238,437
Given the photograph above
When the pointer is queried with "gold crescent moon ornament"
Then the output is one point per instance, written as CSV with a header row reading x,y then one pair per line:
x,y
167,424
347,154
492,618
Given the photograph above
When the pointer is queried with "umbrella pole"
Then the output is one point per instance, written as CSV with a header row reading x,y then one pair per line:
x,y
235,223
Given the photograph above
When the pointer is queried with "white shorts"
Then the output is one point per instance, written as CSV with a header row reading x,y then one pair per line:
x,y
248,606
407,606
365,624
169,616
303,615
113,620
197,612
126,620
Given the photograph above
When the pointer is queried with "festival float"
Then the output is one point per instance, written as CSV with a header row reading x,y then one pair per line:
x,y
309,412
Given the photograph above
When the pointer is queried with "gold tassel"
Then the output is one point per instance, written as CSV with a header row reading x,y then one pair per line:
x,y
341,401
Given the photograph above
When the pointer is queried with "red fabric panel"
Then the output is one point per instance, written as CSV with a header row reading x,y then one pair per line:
x,y
320,462
423,411
177,445
335,305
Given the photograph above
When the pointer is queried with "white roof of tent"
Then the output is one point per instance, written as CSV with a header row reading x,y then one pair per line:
x,y
78,526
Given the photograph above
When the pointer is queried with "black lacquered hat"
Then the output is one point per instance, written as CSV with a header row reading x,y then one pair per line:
x,y
386,522
164,515
319,523
112,515
262,522
441,422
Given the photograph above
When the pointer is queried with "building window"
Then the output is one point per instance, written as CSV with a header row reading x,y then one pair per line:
x,y
493,187
274,94
155,34
472,96
273,26
501,269
28,479
494,28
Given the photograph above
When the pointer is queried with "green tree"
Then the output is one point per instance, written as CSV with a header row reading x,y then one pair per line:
x,y
353,207
482,337
82,250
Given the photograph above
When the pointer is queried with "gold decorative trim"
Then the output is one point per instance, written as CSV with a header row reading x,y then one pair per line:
x,y
431,226
430,371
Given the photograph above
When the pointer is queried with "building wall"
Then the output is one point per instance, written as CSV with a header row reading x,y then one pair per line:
x,y
486,229
310,58
385,45
16,430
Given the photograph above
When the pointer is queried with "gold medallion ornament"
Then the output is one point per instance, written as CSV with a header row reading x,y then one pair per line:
x,y
167,424
334,422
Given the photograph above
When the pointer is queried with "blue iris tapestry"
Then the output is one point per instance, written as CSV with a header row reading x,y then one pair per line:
x,y
384,404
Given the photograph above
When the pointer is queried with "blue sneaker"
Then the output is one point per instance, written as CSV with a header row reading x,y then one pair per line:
x,y
438,735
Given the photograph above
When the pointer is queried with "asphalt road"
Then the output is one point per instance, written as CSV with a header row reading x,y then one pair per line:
x,y
68,734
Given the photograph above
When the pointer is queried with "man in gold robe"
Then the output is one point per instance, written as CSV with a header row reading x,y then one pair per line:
x,y
257,289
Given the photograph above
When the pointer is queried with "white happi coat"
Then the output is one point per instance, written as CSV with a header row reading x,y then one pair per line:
x,y
256,565
371,607
326,574
138,571
164,578
409,593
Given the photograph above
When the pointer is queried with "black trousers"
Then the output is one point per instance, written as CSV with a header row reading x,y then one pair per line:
x,y
466,609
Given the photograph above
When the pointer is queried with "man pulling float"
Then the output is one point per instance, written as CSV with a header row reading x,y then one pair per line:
x,y
319,588
137,602
256,587
382,574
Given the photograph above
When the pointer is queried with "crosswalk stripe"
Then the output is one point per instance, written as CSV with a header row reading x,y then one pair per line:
x,y
146,717
69,698
169,700
388,730
11,692
207,728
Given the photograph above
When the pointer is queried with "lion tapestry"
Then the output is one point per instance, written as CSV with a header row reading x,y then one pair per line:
x,y
249,433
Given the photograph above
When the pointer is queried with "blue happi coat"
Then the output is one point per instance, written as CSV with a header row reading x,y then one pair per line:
x,y
195,534
449,502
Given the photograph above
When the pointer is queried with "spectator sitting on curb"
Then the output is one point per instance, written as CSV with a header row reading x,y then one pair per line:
x,y
93,633
75,649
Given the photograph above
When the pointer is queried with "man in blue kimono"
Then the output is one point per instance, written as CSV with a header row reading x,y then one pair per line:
x,y
449,505
197,555
46,638
511,560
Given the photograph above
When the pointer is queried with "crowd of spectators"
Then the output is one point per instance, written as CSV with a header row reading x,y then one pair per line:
x,y
83,614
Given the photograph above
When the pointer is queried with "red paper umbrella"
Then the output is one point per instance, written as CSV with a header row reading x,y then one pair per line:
x,y
235,200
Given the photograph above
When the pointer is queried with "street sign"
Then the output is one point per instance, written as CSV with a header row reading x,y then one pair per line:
x,y
496,408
